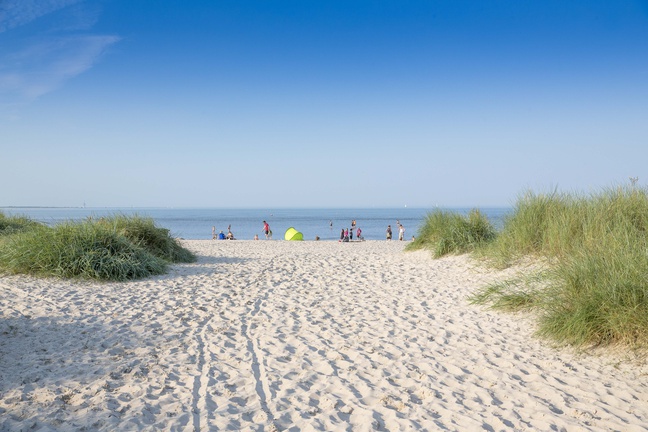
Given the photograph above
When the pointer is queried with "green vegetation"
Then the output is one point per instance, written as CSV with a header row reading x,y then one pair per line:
x,y
14,224
118,248
594,290
557,226
446,233
143,232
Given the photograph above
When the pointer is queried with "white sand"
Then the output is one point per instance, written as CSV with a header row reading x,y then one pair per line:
x,y
275,335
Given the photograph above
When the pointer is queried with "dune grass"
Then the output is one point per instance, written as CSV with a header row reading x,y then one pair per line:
x,y
593,290
143,231
598,296
14,224
119,248
445,233
559,225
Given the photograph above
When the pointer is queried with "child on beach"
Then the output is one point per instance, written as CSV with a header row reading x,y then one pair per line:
x,y
389,232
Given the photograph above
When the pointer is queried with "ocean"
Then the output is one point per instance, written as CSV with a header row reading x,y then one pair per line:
x,y
197,223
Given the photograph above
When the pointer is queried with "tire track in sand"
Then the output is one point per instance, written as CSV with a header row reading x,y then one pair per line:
x,y
262,388
201,381
257,293
257,364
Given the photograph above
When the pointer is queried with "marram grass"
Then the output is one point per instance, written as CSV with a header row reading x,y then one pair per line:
x,y
143,231
512,295
82,250
596,289
445,233
559,225
118,249
599,296
14,224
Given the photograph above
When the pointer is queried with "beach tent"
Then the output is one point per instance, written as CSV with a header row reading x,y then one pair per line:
x,y
293,234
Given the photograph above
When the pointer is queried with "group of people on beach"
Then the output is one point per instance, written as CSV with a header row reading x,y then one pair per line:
x,y
401,231
221,235
230,236
346,234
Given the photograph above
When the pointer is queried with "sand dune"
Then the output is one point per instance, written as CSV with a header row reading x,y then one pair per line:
x,y
275,335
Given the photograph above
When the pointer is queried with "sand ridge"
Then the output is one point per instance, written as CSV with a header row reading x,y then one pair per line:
x,y
275,335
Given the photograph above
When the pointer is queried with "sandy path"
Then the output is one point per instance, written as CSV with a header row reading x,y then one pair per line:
x,y
274,335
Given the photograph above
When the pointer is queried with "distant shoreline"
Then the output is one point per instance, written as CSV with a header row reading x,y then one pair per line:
x,y
197,223
41,207
260,209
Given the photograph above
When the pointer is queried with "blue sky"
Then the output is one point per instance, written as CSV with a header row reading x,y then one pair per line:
x,y
319,103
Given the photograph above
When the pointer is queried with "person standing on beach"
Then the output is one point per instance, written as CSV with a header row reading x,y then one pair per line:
x,y
213,233
266,229
401,233
389,232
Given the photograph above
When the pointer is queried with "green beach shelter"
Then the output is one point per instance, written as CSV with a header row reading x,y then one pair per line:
x,y
293,234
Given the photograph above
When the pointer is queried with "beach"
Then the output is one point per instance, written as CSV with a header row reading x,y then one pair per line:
x,y
277,335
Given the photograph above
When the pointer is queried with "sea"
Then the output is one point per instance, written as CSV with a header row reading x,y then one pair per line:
x,y
197,223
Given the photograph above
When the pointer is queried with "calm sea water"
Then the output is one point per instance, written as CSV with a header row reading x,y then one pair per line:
x,y
196,224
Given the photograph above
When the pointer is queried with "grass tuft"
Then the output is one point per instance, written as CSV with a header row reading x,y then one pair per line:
x,y
83,250
118,249
596,291
521,294
599,296
14,224
447,233
143,231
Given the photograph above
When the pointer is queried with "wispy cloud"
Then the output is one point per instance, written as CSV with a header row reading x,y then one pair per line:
x,y
44,66
33,66
15,13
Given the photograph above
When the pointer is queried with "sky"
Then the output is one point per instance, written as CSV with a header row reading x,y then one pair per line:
x,y
343,104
